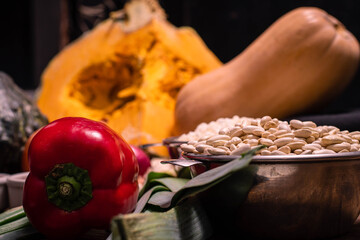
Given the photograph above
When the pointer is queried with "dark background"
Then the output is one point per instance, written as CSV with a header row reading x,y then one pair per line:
x,y
32,32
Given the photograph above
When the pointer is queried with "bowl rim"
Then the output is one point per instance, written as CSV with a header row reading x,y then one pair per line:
x,y
173,141
309,158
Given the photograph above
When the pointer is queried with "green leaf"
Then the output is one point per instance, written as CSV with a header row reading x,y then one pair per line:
x,y
222,201
184,172
173,183
26,233
210,178
152,176
253,151
141,204
184,222
161,199
162,184
198,184
223,188
11,215
14,225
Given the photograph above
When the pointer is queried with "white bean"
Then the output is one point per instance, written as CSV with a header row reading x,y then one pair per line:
x,y
284,126
266,142
250,136
309,124
315,134
201,147
238,135
282,141
253,129
298,151
303,133
323,151
232,147
236,132
224,131
217,140
286,135
235,140
264,120
217,143
277,152
285,149
258,131
217,151
254,122
240,149
272,130
265,134
204,138
310,139
339,147
353,148
347,138
272,148
311,147
306,152
280,132
296,124
331,139
253,142
272,137
269,125
356,136
296,145
224,148
265,152
188,148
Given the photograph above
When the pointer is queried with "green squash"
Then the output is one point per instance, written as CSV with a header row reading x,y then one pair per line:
x,y
19,118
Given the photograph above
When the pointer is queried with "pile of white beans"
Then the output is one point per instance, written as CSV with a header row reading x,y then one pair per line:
x,y
234,136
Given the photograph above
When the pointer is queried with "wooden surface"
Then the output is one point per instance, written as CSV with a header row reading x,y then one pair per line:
x,y
103,235
354,234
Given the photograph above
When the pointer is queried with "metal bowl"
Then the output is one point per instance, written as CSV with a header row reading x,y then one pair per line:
x,y
173,146
297,197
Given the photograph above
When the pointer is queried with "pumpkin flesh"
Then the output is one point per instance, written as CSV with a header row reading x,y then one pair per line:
x,y
128,79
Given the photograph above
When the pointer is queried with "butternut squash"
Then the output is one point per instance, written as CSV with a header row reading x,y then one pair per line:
x,y
127,72
302,60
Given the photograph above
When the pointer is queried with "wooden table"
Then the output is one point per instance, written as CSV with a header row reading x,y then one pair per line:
x,y
354,234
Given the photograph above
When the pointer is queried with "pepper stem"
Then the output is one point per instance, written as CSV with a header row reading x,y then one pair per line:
x,y
68,186
65,189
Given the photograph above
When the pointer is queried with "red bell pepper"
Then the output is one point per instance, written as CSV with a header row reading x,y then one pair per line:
x,y
81,174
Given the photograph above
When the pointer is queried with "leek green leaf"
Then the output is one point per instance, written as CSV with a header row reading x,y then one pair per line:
x,y
187,221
